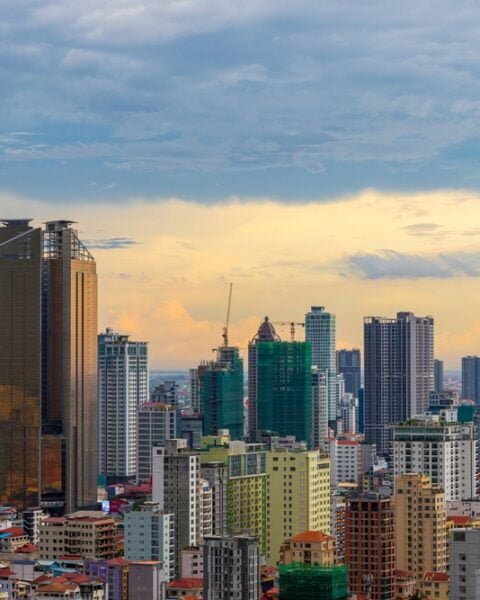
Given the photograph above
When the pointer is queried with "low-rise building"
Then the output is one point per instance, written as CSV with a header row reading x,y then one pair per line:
x,y
186,586
309,548
435,586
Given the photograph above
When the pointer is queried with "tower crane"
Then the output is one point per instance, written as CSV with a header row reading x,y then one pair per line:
x,y
227,320
292,325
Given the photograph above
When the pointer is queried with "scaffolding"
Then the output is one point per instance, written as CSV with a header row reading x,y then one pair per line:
x,y
312,582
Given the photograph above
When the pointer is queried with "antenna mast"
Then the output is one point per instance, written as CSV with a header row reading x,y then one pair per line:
x,y
227,320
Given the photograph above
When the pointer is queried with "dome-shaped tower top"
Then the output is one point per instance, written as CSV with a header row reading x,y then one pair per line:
x,y
266,332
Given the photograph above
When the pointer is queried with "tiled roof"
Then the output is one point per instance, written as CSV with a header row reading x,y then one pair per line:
x,y
186,583
311,536
435,576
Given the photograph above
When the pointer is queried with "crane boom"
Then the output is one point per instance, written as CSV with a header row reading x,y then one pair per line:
x,y
292,327
227,320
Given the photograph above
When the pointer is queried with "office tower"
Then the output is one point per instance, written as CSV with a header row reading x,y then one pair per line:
x,y
122,388
176,488
464,563
146,579
471,378
302,581
398,373
319,409
279,385
298,496
48,366
246,486
221,393
156,423
420,526
349,365
438,375
149,535
216,474
369,545
440,447
89,534
165,393
361,410
309,548
231,568
320,333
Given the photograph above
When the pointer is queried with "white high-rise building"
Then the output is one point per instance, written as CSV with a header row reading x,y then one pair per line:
x,y
440,447
320,332
157,422
122,388
319,409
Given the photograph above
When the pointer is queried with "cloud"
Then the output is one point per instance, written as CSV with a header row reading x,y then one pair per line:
x,y
110,243
389,264
422,229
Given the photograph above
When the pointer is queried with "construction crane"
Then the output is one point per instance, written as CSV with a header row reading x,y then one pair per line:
x,y
292,325
227,320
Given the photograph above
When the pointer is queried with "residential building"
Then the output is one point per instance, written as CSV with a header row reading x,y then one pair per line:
x,y
90,534
186,587
471,378
337,522
464,563
435,586
156,423
48,366
176,489
398,373
369,545
146,580
298,496
192,563
231,568
347,414
246,483
320,332
122,388
149,535
350,459
166,392
194,390
299,581
438,376
319,409
349,365
216,473
32,519
279,380
440,447
114,571
309,548
221,393
420,526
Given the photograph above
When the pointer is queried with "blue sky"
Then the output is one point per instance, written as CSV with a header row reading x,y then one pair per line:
x,y
210,99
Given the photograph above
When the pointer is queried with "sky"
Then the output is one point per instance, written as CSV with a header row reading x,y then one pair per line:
x,y
314,153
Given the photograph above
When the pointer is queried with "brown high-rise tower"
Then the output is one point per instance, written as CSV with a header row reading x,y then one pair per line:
x,y
48,326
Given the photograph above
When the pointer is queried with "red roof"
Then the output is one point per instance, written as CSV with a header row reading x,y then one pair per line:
x,y
186,583
27,549
13,531
459,519
118,562
5,572
347,443
402,574
312,536
42,578
435,576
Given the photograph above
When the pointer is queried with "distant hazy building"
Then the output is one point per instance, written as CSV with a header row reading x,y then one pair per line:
x,y
320,332
156,423
349,365
231,568
165,392
438,375
122,388
194,389
398,373
471,378
319,408
279,385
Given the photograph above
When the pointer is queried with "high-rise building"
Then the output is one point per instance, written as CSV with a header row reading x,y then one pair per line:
x,y
156,423
231,568
349,365
48,366
438,377
440,447
122,389
166,392
319,409
194,390
320,332
216,474
221,393
298,496
420,526
471,378
246,486
369,545
176,489
279,385
464,563
350,459
149,535
398,373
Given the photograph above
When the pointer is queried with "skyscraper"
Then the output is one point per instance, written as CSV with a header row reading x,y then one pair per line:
x,y
438,384
122,389
471,378
48,366
320,333
279,385
221,393
398,373
349,365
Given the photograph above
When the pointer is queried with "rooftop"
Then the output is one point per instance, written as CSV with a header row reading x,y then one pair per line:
x,y
312,536
435,576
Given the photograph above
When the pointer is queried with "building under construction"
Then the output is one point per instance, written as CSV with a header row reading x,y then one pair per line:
x,y
310,582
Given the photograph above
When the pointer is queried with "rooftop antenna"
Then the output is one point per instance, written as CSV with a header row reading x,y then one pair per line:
x,y
227,320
